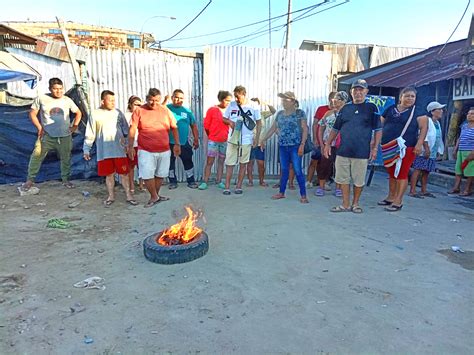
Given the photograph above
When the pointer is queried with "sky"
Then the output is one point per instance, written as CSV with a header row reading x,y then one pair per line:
x,y
397,23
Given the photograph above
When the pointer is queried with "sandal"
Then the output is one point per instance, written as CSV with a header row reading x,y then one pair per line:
x,y
304,200
464,194
454,191
163,198
107,203
415,195
151,203
356,209
428,194
276,186
226,192
393,208
384,203
132,202
68,185
292,187
278,196
340,209
238,191
263,184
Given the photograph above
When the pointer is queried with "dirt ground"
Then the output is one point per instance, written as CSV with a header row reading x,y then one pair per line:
x,y
279,277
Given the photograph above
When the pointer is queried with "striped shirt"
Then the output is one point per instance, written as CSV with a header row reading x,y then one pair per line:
x,y
466,139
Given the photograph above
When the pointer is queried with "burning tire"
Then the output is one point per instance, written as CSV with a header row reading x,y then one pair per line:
x,y
175,254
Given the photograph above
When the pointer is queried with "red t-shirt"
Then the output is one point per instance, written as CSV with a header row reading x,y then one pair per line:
x,y
214,124
318,115
153,128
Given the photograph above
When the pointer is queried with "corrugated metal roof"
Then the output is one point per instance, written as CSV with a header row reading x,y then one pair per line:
x,y
419,69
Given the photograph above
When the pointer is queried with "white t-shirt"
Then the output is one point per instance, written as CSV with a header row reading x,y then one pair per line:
x,y
54,114
233,113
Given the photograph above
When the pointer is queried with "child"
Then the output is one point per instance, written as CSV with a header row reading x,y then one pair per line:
x,y
464,152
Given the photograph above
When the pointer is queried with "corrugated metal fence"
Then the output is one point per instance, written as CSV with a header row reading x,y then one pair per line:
x,y
265,73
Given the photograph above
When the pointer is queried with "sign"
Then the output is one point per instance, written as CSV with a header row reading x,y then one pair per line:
x,y
463,88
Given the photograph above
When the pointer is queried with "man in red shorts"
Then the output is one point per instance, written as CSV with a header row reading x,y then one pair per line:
x,y
108,127
153,122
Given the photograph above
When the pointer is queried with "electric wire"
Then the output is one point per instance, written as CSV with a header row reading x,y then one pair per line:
x,y
455,28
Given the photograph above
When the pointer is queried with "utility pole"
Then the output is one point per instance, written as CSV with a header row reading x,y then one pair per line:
x,y
288,21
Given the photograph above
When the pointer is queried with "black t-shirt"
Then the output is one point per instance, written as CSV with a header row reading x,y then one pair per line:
x,y
395,121
355,123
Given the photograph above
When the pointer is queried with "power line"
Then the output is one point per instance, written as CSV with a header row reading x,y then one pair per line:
x,y
263,32
189,23
455,28
249,24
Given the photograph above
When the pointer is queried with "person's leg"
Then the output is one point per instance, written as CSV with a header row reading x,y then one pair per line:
x,y
413,181
311,169
358,172
250,166
261,172
187,159
228,175
324,172
240,178
64,148
346,198
291,177
424,181
343,173
207,169
457,185
392,189
126,186
296,162
110,184
220,169
131,179
42,146
285,169
150,185
158,182
402,185
468,188
172,171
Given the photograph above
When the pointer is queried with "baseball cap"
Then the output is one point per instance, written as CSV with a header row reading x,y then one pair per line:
x,y
360,83
434,105
287,95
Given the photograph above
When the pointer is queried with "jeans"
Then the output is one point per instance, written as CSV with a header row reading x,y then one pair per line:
x,y
290,154
187,159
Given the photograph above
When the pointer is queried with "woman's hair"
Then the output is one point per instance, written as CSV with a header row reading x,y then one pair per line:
x,y
407,89
223,94
342,95
131,101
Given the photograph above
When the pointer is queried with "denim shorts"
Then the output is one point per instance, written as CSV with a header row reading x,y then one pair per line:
x,y
257,154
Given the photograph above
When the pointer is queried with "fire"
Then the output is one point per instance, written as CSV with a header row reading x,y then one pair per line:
x,y
182,232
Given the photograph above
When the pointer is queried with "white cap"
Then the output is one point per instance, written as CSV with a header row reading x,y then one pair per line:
x,y
434,105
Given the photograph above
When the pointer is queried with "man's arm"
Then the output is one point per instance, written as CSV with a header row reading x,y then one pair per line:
x,y
77,120
270,133
375,147
36,122
195,136
176,146
89,138
257,134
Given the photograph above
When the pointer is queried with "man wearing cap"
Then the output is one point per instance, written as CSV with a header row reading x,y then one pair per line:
x,y
241,139
355,123
432,146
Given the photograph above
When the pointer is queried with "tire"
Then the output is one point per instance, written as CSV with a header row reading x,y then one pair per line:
x,y
175,254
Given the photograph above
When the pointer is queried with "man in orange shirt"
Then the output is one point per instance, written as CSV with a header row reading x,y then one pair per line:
x,y
154,123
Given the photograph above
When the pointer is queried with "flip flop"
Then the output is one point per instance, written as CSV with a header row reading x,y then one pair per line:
x,y
250,184
464,194
163,198
278,196
357,209
415,195
107,203
263,184
384,203
132,202
151,203
68,185
393,208
454,191
292,187
428,194
304,200
226,192
340,209
276,186
238,191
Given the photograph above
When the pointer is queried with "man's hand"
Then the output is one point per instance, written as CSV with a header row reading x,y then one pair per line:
x,y
427,153
176,150
131,153
327,151
417,149
196,143
72,129
373,154
40,132
301,150
87,156
262,145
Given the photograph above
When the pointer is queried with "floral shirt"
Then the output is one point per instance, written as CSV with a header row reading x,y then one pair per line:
x,y
289,127
328,122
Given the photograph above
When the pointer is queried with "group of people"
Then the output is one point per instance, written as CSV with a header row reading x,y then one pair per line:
x,y
346,135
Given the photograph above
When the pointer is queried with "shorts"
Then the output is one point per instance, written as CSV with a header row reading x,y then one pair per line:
x,y
216,149
406,165
469,170
348,169
237,154
133,163
113,165
257,154
316,153
151,165
424,164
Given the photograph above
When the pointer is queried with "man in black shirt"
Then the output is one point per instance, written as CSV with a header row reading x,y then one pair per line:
x,y
355,123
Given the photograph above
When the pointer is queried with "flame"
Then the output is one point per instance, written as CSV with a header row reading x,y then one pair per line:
x,y
182,232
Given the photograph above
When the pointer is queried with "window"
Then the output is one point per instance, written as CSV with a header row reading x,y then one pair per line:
x,y
134,37
54,31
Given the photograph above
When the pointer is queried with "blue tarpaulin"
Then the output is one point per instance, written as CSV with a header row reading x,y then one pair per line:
x,y
7,76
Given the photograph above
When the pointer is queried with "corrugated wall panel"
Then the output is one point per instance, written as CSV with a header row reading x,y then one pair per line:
x,y
265,73
129,73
